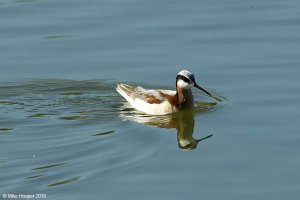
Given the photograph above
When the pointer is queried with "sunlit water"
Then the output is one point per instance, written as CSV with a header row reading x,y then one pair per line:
x,y
65,131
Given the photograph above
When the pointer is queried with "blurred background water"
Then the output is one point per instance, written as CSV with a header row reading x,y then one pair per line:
x,y
66,133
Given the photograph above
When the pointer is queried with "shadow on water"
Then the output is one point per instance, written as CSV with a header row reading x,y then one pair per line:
x,y
183,122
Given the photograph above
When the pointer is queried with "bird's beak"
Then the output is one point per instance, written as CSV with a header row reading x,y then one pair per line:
x,y
200,88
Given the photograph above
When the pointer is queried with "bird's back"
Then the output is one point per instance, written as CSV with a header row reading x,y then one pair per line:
x,y
154,102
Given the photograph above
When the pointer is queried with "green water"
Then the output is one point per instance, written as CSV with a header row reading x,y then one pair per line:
x,y
66,132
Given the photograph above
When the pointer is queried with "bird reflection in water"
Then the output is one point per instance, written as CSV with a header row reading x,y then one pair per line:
x,y
182,121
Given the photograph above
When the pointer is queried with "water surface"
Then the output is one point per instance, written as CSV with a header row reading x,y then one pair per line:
x,y
65,131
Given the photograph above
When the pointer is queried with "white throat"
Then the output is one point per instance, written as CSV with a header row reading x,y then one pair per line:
x,y
183,85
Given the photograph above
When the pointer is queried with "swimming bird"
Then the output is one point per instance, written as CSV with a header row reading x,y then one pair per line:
x,y
161,102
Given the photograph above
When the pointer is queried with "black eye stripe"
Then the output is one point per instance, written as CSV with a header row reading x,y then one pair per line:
x,y
186,79
183,78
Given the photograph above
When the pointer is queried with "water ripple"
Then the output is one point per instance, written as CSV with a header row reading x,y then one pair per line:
x,y
59,127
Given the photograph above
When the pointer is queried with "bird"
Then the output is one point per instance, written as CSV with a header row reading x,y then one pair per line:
x,y
160,101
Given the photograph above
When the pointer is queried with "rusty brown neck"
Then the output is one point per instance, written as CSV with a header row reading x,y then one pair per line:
x,y
185,98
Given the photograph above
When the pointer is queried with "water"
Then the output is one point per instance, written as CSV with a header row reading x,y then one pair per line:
x,y
65,132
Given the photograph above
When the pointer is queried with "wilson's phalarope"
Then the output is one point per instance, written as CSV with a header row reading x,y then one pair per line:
x,y
160,102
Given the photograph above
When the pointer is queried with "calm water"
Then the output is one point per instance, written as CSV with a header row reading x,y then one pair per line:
x,y
65,131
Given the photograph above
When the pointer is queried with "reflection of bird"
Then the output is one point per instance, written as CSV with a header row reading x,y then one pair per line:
x,y
183,121
160,102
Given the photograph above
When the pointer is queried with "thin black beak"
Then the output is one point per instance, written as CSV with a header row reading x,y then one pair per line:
x,y
204,138
200,88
